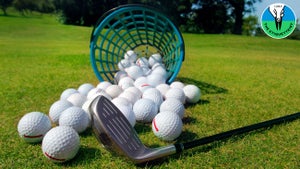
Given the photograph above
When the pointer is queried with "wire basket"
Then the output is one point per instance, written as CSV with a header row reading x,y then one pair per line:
x,y
141,29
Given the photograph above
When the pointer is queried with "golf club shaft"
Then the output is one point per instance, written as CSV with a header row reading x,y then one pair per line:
x,y
225,135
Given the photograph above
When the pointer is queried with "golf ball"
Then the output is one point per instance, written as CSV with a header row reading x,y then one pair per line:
x,y
77,99
167,126
114,91
57,108
192,93
145,110
74,117
68,92
155,58
103,85
130,55
173,105
155,79
163,88
61,144
142,62
123,64
176,93
125,82
134,72
85,88
119,75
33,126
132,97
128,113
154,95
121,101
134,90
177,84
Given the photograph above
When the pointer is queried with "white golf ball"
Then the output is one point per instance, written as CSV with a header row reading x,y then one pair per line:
x,y
192,93
103,85
155,58
123,64
57,108
173,105
126,82
61,144
160,70
167,126
163,88
145,110
121,101
114,91
68,92
135,72
132,97
154,95
158,65
128,113
177,84
146,71
95,91
77,99
74,117
155,79
142,62
33,126
119,75
142,84
130,55
134,90
176,93
85,88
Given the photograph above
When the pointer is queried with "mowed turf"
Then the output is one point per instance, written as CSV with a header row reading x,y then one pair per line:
x,y
244,80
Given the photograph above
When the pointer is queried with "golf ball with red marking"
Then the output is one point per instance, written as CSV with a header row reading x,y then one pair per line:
x,y
167,126
61,144
33,126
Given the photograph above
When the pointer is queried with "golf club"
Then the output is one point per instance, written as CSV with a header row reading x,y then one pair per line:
x,y
115,132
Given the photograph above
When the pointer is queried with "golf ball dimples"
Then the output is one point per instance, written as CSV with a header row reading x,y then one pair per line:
x,y
74,117
135,72
176,93
33,126
154,95
192,93
114,91
125,82
61,144
68,92
167,126
173,105
145,110
155,79
132,97
77,99
134,90
57,108
85,88
163,88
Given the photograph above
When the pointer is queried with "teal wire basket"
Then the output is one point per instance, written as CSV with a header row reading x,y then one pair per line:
x,y
140,28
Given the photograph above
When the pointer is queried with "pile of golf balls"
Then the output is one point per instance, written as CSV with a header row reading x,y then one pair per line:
x,y
139,90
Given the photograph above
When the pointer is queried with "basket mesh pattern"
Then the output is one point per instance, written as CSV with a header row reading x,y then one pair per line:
x,y
138,28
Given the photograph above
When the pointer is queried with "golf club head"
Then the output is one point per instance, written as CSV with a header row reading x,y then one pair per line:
x,y
114,131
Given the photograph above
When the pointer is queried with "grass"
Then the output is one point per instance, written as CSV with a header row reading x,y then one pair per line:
x,y
244,80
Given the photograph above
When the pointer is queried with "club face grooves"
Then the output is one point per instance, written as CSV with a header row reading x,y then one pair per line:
x,y
113,129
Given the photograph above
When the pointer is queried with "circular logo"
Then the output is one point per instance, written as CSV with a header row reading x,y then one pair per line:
x,y
278,20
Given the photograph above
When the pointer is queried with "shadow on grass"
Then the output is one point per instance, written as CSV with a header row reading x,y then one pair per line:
x,y
205,88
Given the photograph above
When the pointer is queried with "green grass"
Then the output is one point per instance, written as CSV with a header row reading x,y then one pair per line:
x,y
244,80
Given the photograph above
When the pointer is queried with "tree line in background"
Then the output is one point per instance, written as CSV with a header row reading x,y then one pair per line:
x,y
197,16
